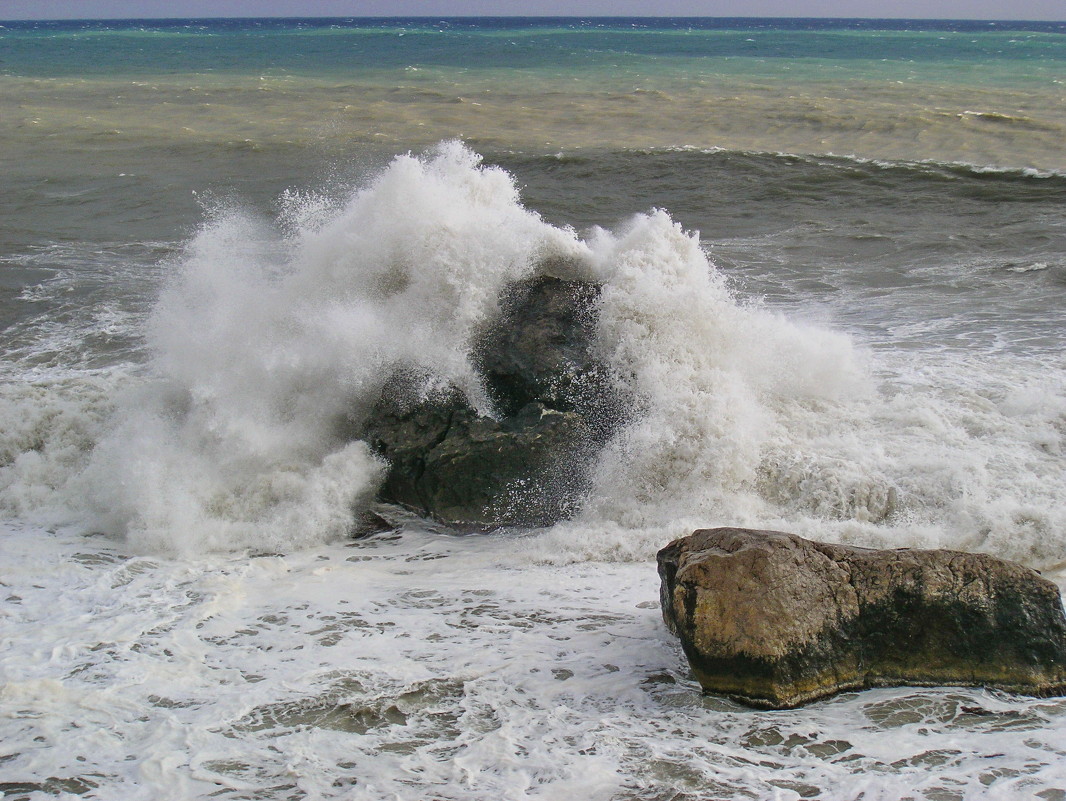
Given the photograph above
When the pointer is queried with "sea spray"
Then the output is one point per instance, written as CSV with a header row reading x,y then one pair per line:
x,y
267,347
716,382
47,429
270,343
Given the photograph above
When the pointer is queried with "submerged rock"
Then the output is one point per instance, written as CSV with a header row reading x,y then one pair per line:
x,y
774,620
528,466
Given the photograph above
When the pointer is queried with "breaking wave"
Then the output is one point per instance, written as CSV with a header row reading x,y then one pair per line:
x,y
272,338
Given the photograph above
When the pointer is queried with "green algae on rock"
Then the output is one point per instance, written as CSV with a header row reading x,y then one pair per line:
x,y
775,621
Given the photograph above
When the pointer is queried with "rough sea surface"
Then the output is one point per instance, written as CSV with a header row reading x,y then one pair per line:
x,y
834,267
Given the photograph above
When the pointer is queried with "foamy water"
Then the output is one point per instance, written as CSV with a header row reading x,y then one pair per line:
x,y
428,666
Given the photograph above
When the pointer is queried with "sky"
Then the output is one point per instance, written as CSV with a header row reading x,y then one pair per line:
x,y
942,9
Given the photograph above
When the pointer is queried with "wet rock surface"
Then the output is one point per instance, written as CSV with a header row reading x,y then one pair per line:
x,y
775,620
528,465
541,349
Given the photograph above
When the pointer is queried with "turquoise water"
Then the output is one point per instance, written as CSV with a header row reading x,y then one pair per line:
x,y
657,53
340,45
834,255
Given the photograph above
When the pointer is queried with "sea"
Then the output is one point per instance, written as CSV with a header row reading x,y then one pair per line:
x,y
833,258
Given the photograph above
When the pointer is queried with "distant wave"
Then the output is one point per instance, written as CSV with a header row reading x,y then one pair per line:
x,y
841,161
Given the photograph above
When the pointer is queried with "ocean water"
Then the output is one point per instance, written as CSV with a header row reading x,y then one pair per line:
x,y
834,263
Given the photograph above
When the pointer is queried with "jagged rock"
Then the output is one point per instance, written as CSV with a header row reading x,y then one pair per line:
x,y
774,620
528,466
473,472
542,349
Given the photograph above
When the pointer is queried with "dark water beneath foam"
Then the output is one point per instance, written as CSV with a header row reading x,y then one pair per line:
x,y
873,245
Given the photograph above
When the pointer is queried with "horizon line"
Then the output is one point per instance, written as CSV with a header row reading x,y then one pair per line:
x,y
526,16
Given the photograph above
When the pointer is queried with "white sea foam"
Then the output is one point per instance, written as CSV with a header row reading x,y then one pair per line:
x,y
421,666
47,429
715,381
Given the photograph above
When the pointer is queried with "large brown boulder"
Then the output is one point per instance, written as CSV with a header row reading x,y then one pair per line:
x,y
774,620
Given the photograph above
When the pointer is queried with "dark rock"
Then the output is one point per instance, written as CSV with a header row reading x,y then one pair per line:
x,y
542,349
370,522
528,466
774,620
473,472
